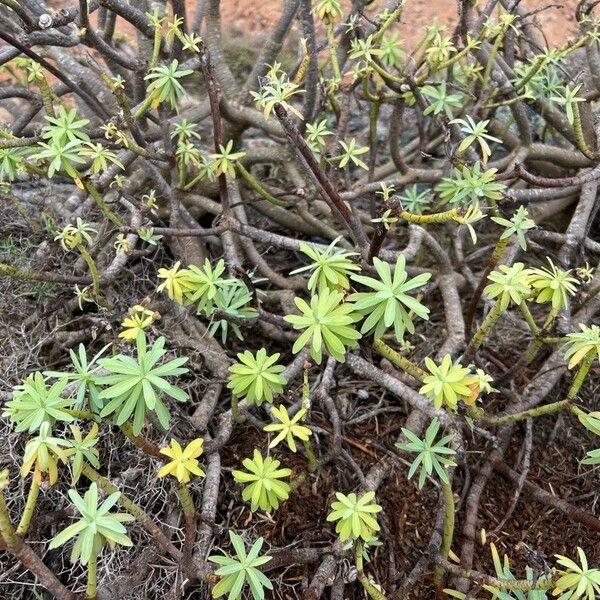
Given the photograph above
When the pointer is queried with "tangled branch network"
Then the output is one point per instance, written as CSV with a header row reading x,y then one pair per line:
x,y
276,320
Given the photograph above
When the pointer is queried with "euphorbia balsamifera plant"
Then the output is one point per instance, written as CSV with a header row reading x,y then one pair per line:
x,y
65,127
577,580
471,184
327,322
504,573
355,516
35,403
288,428
204,284
256,378
389,304
210,291
78,238
508,284
440,100
583,348
583,345
164,84
183,465
276,89
184,461
265,488
414,200
366,170
447,383
73,236
517,225
552,285
432,456
193,285
316,134
42,452
3,479
138,319
241,571
175,282
592,457
330,267
135,386
475,132
225,160
82,450
96,528
84,374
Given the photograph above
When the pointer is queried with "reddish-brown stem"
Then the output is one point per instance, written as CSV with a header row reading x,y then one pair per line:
x,y
494,258
213,91
328,192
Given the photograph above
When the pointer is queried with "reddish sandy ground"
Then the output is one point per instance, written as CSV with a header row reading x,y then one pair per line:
x,y
251,17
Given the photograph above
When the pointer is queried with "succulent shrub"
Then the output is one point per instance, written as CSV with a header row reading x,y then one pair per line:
x,y
517,225
257,377
432,456
355,516
264,488
509,284
35,403
577,580
139,319
81,450
447,383
330,267
242,570
552,285
165,85
288,428
134,386
184,461
583,344
404,172
84,373
96,527
388,304
476,132
42,452
327,323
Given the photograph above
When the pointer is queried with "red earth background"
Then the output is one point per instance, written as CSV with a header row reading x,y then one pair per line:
x,y
252,17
